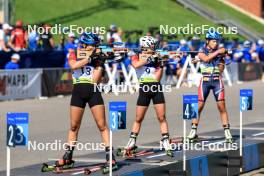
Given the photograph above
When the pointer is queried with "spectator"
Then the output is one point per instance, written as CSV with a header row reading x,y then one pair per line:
x,y
46,39
19,37
171,69
237,56
13,64
5,44
33,39
260,50
165,45
114,34
185,48
70,45
246,52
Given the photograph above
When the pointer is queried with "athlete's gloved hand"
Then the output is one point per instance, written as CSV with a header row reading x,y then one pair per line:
x,y
153,59
99,58
118,57
221,51
196,60
229,52
150,60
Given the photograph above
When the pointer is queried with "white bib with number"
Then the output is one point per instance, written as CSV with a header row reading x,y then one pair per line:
x,y
146,74
83,75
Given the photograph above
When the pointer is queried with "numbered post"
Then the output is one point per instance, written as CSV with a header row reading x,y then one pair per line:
x,y
16,134
117,121
190,111
246,103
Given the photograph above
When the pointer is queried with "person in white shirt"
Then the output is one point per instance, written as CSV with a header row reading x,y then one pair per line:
x,y
5,44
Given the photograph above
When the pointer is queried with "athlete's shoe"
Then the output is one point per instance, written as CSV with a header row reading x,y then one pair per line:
x,y
167,144
192,135
228,136
66,159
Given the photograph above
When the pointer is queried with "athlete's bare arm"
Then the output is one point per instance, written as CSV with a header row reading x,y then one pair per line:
x,y
211,56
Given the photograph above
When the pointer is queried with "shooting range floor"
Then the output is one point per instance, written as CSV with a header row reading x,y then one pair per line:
x,y
49,121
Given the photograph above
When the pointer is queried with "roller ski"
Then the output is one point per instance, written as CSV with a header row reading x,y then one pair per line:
x,y
127,152
65,163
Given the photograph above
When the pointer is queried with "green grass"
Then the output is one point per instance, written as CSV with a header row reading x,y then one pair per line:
x,y
127,14
227,12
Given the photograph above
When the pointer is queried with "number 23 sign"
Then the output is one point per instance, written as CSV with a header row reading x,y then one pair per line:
x,y
17,129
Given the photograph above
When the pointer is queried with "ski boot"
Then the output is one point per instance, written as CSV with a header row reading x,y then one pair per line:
x,y
228,136
106,167
167,145
192,137
130,148
66,161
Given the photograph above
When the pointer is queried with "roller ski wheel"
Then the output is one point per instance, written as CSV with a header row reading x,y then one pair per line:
x,y
47,168
127,152
87,171
106,167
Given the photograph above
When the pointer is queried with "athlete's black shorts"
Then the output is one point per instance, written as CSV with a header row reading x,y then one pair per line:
x,y
86,93
150,91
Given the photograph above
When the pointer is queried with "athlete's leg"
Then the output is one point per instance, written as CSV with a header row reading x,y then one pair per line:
x,y
98,112
203,92
76,119
219,94
223,112
141,109
160,112
200,109
140,114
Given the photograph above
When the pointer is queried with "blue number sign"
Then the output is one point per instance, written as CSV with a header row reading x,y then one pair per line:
x,y
117,115
246,99
190,106
17,129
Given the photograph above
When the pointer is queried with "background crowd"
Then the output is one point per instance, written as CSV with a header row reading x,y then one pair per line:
x,y
16,38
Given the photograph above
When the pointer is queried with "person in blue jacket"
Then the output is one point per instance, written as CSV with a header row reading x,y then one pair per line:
x,y
13,63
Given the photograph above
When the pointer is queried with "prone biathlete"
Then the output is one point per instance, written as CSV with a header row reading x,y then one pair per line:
x,y
212,65
149,71
86,73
